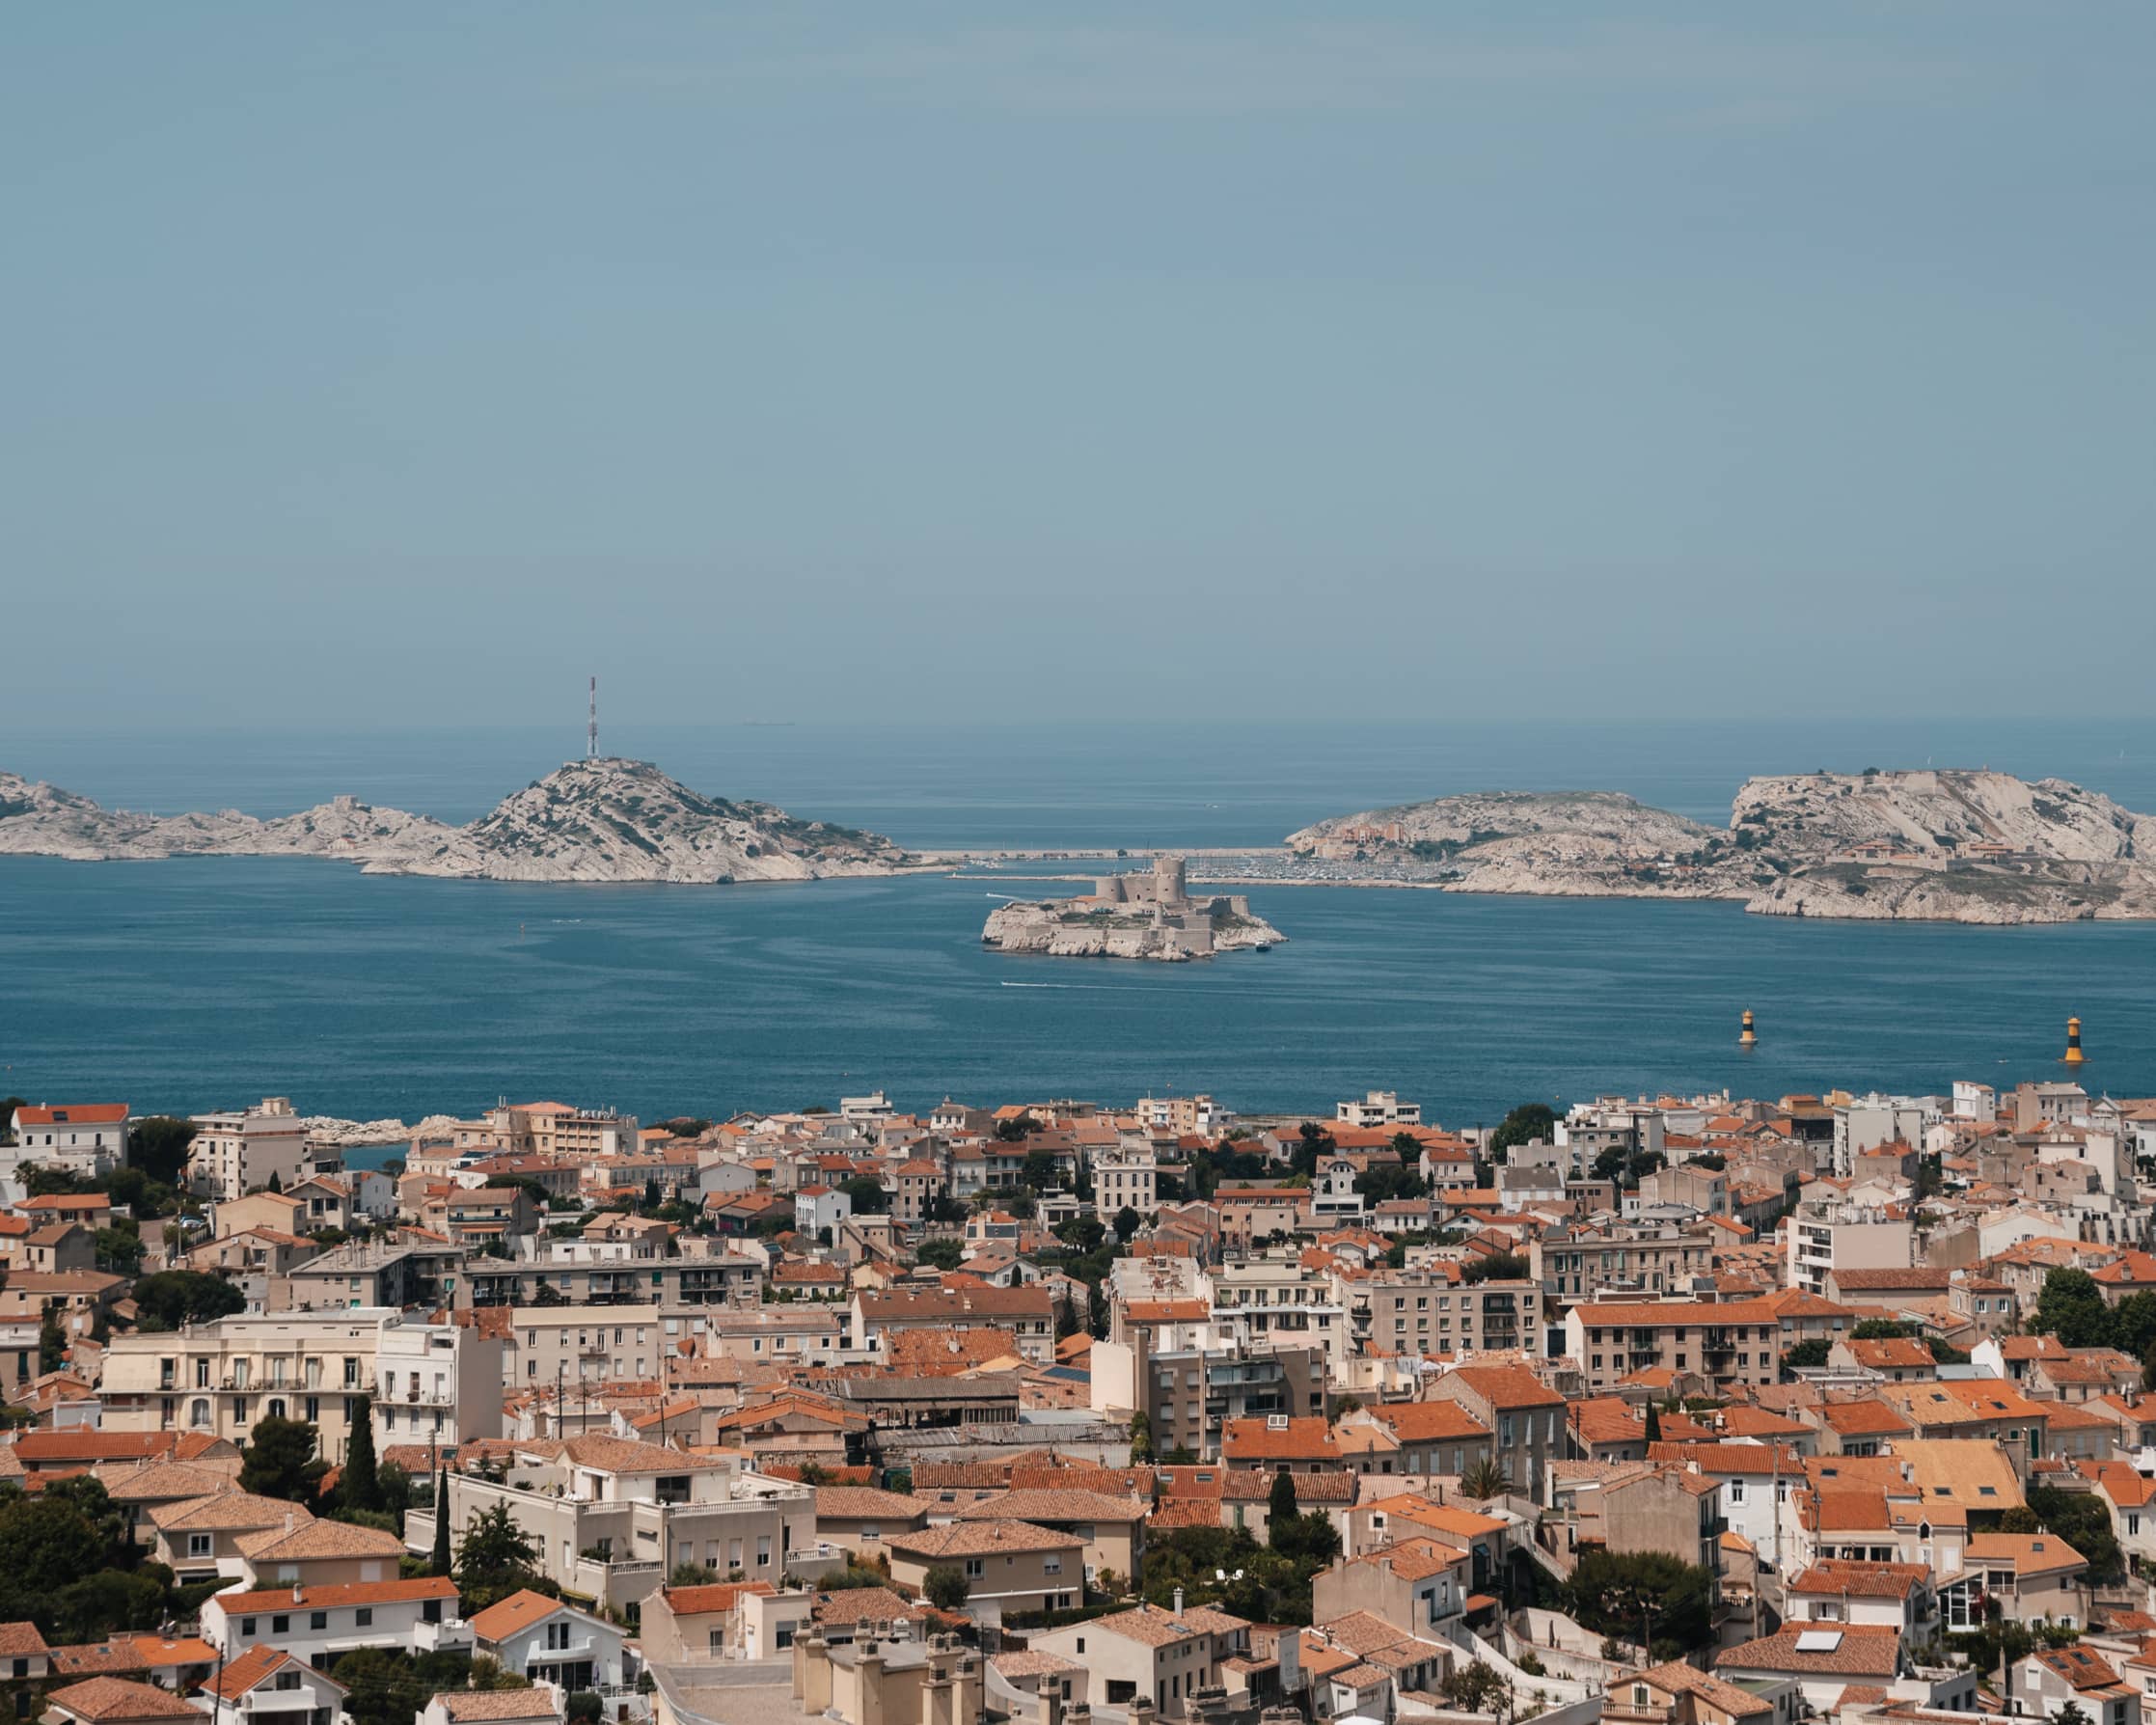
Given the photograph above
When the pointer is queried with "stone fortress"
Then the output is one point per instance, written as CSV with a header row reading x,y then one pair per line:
x,y
1142,914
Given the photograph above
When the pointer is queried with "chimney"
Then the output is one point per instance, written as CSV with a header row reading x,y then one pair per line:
x,y
298,1598
1179,1602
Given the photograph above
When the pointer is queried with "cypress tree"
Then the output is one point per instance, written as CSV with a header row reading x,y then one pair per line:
x,y
441,1523
361,1487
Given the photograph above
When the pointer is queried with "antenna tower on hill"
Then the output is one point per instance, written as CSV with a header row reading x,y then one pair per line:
x,y
591,725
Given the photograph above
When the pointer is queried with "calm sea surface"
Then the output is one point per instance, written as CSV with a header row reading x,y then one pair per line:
x,y
192,984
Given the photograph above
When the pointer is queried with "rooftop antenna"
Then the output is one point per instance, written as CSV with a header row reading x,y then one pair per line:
x,y
591,725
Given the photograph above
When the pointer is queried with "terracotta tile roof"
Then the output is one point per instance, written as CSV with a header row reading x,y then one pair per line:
x,y
1258,1439
257,1665
1687,1680
866,1604
352,1593
498,1704
2080,1667
520,1611
1043,1506
1860,1650
73,1113
2030,1554
227,1512
20,1640
980,1539
865,1503
717,1596
624,1455
1508,1386
1151,1627
319,1539
115,1698
1861,1580
1428,1422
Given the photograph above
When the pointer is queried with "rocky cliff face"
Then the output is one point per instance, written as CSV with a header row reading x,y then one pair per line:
x,y
1946,845
603,820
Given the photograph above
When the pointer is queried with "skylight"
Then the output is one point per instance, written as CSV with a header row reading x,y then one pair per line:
x,y
1818,1641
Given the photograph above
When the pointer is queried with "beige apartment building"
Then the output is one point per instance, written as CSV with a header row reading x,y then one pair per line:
x,y
1422,1311
1728,1342
236,1152
613,1516
1011,1565
1148,1654
1125,1179
571,1344
221,1378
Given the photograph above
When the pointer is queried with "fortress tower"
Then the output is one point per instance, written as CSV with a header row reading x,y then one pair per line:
x,y
1168,883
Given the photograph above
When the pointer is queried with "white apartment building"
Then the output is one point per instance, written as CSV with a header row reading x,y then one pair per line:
x,y
575,1344
1379,1107
319,1625
1267,1303
234,1153
1126,1178
1866,1122
1826,1234
613,1516
555,1129
87,1139
220,1377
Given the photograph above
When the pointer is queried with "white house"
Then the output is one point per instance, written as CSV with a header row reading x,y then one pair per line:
x,y
319,1624
266,1686
550,1641
86,1139
820,1207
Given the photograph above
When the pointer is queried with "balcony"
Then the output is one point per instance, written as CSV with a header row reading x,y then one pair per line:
x,y
454,1636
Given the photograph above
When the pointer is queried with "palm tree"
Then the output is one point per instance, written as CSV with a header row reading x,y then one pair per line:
x,y
1485,1480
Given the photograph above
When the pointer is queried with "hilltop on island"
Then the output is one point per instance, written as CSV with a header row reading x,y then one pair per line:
x,y
1927,845
588,821
1131,916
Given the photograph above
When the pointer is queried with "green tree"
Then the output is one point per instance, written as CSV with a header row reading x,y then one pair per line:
x,y
1882,1329
280,1462
171,1297
946,1586
360,1487
1081,1233
2071,1308
52,1340
1498,1267
1281,1510
495,1558
1127,1221
441,1554
2132,1323
1141,1436
939,1255
1017,1129
1619,1594
1039,1168
1473,1687
866,1194
1654,1423
158,1145
1811,1353
1529,1121
1485,1480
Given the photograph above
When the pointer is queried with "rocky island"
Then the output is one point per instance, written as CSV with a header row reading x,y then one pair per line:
x,y
593,820
1131,916
1941,845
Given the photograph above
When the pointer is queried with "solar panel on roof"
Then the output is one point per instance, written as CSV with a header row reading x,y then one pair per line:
x,y
1818,1641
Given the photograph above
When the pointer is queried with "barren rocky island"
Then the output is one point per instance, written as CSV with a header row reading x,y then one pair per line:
x,y
593,820
1942,845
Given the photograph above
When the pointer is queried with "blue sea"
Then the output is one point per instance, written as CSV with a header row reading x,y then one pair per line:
x,y
197,983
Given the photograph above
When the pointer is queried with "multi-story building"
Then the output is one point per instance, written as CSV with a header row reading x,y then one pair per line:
x,y
1727,1342
613,1518
1523,1415
1190,1395
570,1345
318,1626
1126,1178
87,1139
583,1272
1830,1234
1162,1656
238,1151
1379,1107
557,1129
1423,1312
1571,1264
365,1275
1272,1302
321,1367
1028,1313
1013,1566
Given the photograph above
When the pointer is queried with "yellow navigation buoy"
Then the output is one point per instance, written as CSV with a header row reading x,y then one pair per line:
x,y
2073,1042
1751,1037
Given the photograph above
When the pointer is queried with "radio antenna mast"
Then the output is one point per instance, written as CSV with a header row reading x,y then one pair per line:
x,y
591,725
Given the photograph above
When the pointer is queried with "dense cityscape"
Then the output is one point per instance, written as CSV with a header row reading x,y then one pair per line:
x,y
1668,1409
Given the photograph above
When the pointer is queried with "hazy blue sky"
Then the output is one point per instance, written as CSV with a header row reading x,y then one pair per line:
x,y
406,363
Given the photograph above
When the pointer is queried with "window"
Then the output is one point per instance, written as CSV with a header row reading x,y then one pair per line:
x,y
281,1625
976,1569
363,1617
318,1620
1051,1566
247,1629
199,1545
288,1679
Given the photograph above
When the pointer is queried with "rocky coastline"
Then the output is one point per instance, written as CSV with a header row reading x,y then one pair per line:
x,y
1922,845
590,821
